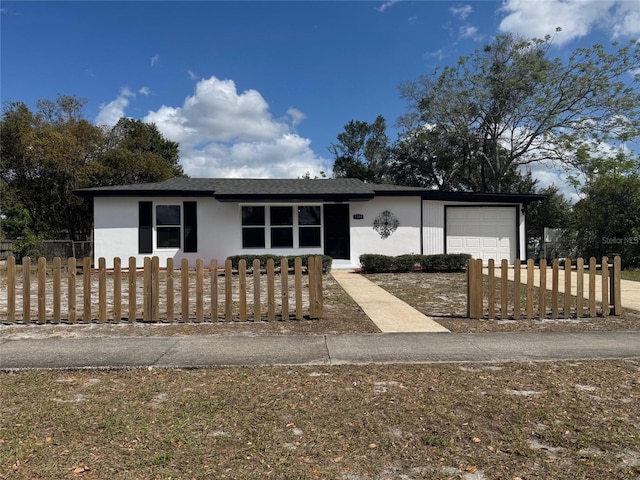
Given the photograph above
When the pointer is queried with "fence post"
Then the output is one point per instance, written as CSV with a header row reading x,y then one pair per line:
x,y
228,291
133,299
11,289
474,292
26,289
170,286
199,290
284,287
605,286
615,286
102,290
542,290
184,289
155,289
146,290
491,266
42,279
530,268
567,288
242,276
554,289
517,301
319,292
86,289
257,313
57,288
298,287
117,290
271,290
71,285
504,289
579,287
592,287
213,272
311,276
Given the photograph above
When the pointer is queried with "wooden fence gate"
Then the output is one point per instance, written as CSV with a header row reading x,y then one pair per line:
x,y
489,298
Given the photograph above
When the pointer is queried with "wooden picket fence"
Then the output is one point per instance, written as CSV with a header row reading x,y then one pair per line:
x,y
76,292
489,298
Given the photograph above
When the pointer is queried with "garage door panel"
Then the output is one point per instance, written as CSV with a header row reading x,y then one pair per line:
x,y
483,232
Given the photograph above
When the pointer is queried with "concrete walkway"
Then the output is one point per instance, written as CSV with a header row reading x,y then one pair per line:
x,y
389,313
218,351
629,290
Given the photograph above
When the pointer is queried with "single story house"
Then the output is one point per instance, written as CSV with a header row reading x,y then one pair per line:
x,y
214,218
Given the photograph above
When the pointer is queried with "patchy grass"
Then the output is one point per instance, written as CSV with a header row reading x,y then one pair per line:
x,y
546,420
633,275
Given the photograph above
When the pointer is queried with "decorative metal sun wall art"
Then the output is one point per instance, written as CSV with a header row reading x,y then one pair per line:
x,y
385,224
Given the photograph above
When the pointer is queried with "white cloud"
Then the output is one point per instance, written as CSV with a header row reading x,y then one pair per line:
x,y
224,133
469,31
577,18
155,59
387,4
145,91
296,116
111,112
461,12
192,75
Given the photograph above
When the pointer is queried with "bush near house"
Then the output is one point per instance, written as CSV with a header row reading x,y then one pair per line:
x,y
235,259
375,263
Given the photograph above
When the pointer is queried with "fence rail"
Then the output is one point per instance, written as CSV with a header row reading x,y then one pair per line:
x,y
532,295
76,292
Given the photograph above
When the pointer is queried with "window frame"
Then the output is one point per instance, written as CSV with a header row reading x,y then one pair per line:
x,y
165,227
270,231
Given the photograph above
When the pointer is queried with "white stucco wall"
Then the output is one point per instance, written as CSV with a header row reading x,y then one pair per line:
x,y
116,230
220,234
364,239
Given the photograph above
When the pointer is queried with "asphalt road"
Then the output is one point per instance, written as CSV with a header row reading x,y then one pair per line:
x,y
219,351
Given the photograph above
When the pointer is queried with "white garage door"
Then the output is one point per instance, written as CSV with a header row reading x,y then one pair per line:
x,y
482,232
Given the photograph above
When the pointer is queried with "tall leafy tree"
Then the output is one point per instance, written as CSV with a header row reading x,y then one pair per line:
x,y
135,152
607,219
362,151
48,153
509,105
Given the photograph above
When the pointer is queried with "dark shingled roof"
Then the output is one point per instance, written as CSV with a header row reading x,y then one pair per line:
x,y
244,189
325,189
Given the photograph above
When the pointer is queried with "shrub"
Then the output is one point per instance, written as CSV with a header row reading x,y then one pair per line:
x,y
264,258
376,263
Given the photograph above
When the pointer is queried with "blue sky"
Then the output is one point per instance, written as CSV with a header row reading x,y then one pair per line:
x,y
261,89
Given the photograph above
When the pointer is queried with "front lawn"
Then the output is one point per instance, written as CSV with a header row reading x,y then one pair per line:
x,y
546,420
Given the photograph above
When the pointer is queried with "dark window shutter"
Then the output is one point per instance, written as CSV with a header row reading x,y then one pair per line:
x,y
145,227
190,227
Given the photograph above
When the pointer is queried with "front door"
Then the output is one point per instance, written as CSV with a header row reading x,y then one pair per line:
x,y
336,231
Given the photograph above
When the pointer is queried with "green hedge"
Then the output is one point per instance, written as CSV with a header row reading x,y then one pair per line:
x,y
235,259
375,263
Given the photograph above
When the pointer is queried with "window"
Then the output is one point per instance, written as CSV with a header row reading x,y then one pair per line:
x,y
253,227
309,226
278,226
168,226
281,227
145,227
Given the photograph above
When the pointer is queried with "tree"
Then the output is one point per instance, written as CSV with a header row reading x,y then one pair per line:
x,y
363,151
48,153
607,219
509,105
135,152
